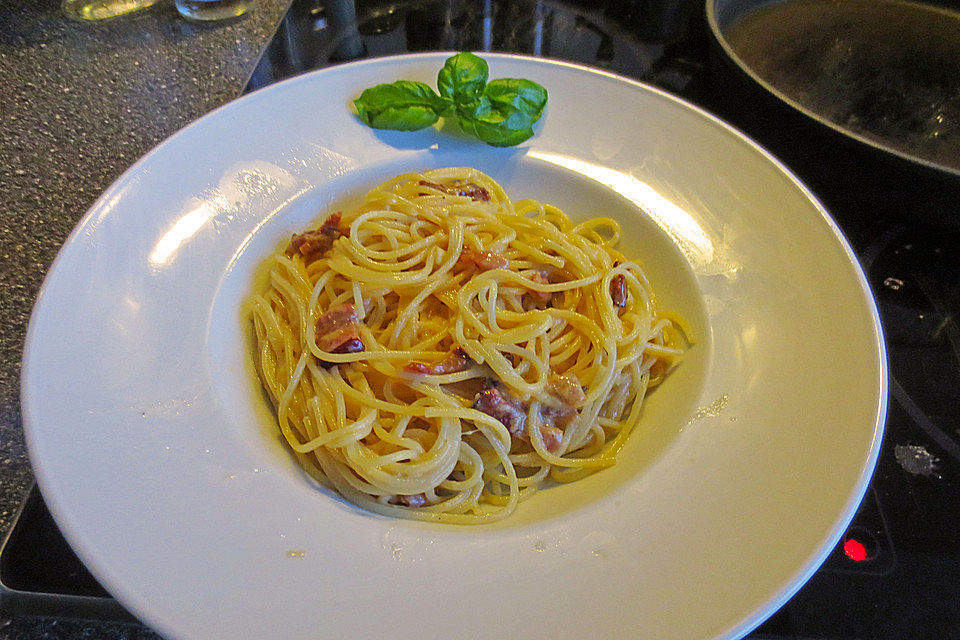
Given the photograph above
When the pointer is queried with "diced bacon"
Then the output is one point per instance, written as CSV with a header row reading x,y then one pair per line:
x,y
483,260
338,330
344,341
499,404
557,416
566,388
552,437
541,277
502,406
433,185
455,361
564,397
337,317
421,368
618,289
331,226
458,188
473,191
312,244
416,500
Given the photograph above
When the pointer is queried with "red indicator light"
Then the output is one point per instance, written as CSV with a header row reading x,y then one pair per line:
x,y
855,550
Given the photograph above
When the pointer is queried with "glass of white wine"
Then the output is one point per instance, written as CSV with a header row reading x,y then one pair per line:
x,y
102,9
203,10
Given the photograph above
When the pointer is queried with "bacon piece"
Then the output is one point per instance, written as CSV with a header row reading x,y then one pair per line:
x,y
456,361
552,437
497,403
458,188
338,317
350,344
416,500
566,388
502,406
483,260
469,388
331,226
564,397
618,289
541,277
346,341
312,244
338,331
473,191
557,416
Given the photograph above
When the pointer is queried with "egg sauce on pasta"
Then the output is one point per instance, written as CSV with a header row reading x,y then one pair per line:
x,y
440,352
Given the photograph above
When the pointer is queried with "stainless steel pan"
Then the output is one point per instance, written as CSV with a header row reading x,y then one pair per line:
x,y
874,84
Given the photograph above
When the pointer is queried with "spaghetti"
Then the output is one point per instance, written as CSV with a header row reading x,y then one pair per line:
x,y
441,352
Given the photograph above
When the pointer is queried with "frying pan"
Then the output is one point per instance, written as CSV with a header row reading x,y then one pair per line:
x,y
860,97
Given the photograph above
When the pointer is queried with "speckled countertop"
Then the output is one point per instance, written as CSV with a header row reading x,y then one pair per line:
x,y
79,103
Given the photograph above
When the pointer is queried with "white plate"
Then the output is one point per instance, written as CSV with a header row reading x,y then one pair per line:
x,y
154,450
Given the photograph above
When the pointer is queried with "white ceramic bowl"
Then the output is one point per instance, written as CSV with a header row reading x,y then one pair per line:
x,y
156,454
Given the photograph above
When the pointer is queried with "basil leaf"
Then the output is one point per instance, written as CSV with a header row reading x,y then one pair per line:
x,y
462,77
404,105
505,114
497,127
523,95
497,135
501,113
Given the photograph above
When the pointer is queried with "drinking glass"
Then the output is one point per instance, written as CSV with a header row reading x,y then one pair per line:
x,y
102,9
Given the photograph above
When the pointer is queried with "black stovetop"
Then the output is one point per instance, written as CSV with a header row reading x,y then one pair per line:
x,y
896,572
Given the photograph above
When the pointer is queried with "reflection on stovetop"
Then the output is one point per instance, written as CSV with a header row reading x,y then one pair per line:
x,y
896,573
916,279
645,40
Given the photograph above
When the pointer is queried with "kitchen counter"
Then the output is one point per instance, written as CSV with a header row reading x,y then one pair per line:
x,y
80,103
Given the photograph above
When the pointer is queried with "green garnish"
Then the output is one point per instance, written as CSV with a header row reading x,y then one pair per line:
x,y
501,113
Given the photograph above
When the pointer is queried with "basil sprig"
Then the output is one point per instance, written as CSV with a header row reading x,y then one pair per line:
x,y
501,113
